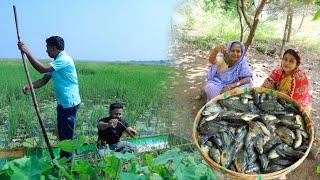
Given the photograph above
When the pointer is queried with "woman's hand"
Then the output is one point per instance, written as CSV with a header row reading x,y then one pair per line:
x,y
214,51
227,88
221,48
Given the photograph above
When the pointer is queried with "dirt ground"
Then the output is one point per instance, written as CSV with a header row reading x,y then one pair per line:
x,y
192,65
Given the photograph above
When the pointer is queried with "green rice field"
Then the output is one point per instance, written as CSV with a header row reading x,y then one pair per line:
x,y
140,87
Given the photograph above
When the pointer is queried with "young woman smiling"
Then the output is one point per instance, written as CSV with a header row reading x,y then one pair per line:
x,y
291,79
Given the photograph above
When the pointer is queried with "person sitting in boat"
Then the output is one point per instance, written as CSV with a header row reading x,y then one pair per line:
x,y
237,73
291,79
110,130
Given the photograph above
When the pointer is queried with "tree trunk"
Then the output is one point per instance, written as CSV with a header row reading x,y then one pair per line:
x,y
246,19
240,19
285,34
252,32
255,23
290,12
304,15
301,22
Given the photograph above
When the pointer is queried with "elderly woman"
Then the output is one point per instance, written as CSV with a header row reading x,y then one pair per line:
x,y
237,74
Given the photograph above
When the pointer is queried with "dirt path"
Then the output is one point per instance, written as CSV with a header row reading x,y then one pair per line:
x,y
192,64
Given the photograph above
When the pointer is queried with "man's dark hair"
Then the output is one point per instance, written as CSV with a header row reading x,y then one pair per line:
x,y
115,106
56,41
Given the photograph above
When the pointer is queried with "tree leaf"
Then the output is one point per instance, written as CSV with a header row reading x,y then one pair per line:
x,y
316,16
318,169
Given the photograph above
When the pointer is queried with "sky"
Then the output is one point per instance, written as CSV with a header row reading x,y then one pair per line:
x,y
99,30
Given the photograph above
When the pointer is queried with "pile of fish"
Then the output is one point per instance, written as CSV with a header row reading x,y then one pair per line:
x,y
253,133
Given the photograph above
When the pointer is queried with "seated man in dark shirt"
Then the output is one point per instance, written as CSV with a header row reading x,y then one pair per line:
x,y
111,128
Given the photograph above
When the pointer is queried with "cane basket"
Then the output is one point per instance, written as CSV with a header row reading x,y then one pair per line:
x,y
236,175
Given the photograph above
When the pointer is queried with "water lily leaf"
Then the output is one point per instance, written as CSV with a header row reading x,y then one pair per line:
x,y
84,169
205,171
112,165
163,171
45,166
126,175
66,145
165,157
27,144
52,136
156,176
134,167
25,168
70,145
179,172
30,142
52,177
145,170
126,156
60,165
149,159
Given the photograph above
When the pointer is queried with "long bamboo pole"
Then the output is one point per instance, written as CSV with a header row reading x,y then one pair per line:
x,y
34,98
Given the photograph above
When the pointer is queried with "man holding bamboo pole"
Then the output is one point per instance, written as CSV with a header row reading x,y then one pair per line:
x,y
65,82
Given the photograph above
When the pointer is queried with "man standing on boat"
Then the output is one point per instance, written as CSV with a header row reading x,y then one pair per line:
x,y
65,82
110,130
